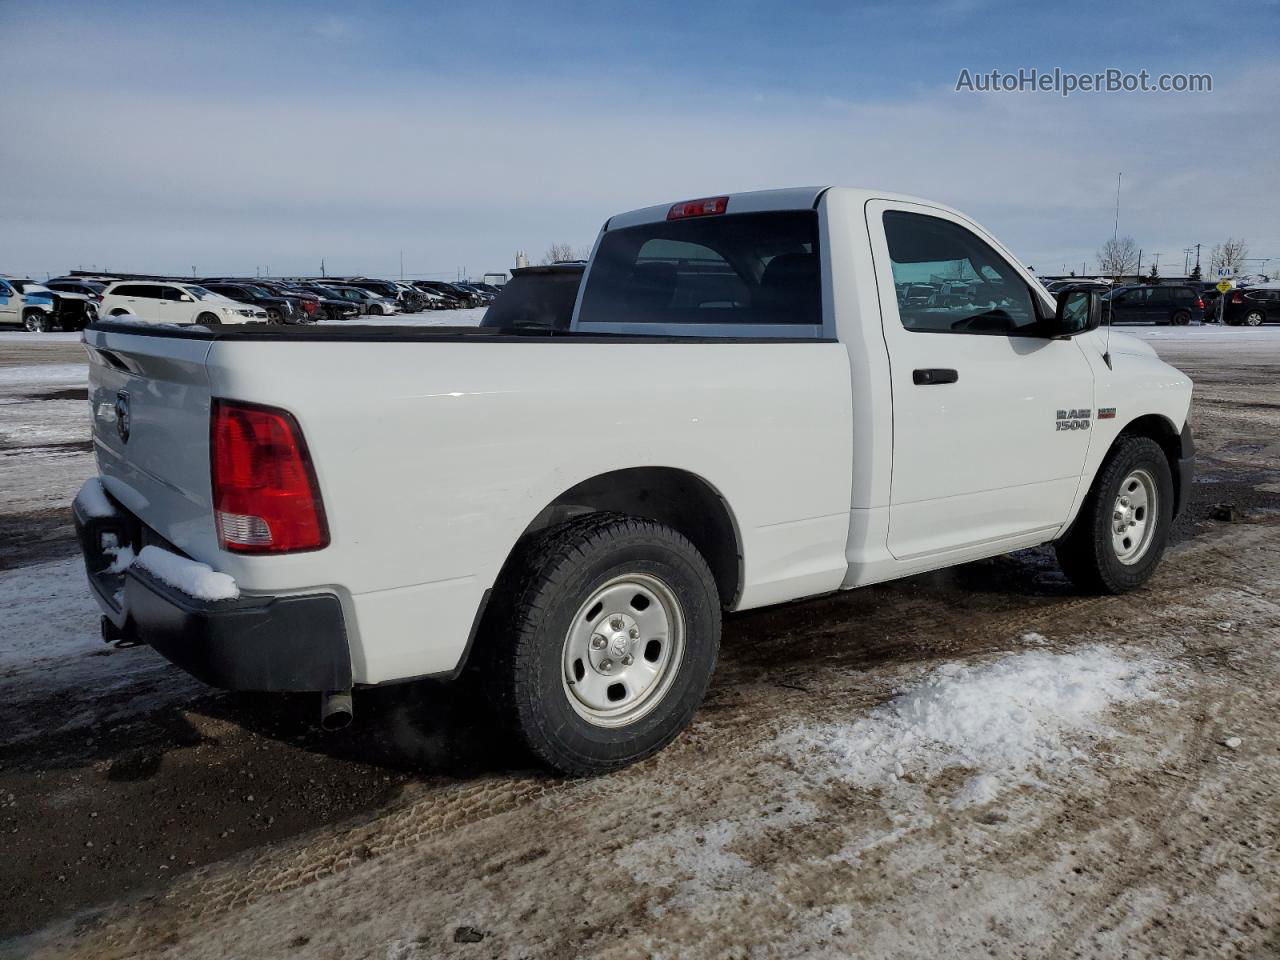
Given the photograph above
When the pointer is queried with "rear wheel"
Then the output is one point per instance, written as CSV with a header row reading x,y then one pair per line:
x,y
605,639
36,321
1254,318
1181,318
1123,527
274,315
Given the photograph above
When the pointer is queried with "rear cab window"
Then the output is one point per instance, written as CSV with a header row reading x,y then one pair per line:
x,y
728,275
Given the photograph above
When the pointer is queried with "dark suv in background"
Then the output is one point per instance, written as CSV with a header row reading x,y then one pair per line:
x,y
1154,303
1253,306
278,309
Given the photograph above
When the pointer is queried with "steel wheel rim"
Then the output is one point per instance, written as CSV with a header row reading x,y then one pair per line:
x,y
1254,319
1133,516
623,650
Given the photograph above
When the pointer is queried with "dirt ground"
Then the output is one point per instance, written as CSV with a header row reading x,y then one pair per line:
x,y
146,815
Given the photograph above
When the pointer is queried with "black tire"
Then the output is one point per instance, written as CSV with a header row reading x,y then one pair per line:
x,y
36,321
274,315
540,597
208,320
1087,554
1181,318
1254,318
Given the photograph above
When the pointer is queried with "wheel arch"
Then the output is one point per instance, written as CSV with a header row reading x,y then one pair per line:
x,y
1157,427
677,498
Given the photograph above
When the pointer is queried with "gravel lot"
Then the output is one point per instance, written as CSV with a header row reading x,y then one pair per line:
x,y
1119,797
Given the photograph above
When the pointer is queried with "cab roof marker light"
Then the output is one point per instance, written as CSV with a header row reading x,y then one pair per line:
x,y
706,207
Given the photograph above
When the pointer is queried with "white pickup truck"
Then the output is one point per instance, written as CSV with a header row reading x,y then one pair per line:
x,y
748,408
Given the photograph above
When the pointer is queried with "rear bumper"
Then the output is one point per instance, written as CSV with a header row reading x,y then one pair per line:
x,y
252,643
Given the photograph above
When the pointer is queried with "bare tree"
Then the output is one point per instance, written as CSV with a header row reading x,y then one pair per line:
x,y
558,252
1231,253
1118,257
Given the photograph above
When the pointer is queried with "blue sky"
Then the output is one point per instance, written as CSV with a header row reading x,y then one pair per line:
x,y
238,136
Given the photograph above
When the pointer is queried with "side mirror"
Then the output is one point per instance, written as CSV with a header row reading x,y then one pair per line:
x,y
186,298
1079,311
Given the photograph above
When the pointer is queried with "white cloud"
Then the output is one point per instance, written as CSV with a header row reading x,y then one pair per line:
x,y
164,156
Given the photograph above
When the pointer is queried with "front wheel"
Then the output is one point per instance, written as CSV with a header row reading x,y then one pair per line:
x,y
208,320
1121,533
36,321
606,637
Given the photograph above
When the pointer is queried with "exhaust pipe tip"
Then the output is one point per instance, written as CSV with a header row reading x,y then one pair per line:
x,y
335,710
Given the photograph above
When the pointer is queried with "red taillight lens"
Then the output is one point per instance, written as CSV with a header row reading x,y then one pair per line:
x,y
1237,297
1200,302
265,495
310,306
706,207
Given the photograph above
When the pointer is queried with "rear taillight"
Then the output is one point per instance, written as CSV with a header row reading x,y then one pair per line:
x,y
706,207
265,495
1200,302
1237,297
310,306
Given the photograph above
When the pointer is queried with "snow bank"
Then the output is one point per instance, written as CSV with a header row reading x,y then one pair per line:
x,y
1003,719
198,580
92,499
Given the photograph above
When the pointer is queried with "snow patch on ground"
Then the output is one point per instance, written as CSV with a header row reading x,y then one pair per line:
x,y
42,374
193,578
51,650
1007,719
696,861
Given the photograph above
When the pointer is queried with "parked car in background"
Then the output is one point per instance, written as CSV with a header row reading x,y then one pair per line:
x,y
89,288
483,295
537,297
278,309
465,297
385,289
172,302
39,308
368,301
332,305
309,303
449,299
1252,306
1165,303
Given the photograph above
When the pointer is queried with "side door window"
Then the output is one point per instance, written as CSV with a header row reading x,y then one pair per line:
x,y
949,281
8,302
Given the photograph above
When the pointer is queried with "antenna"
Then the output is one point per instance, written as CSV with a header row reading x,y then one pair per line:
x,y
1115,237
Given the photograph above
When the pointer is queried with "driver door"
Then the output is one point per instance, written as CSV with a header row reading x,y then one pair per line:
x,y
10,304
980,461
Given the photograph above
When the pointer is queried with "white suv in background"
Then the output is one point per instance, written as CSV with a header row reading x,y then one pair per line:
x,y
171,302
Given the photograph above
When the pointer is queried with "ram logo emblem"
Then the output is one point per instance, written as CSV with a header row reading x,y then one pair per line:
x,y
1073,419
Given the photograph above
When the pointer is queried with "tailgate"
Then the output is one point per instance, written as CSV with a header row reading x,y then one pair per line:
x,y
149,401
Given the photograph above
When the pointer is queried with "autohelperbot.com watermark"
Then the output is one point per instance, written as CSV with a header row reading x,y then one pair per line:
x,y
1065,82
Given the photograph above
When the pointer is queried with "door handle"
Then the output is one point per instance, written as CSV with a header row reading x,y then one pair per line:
x,y
932,375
